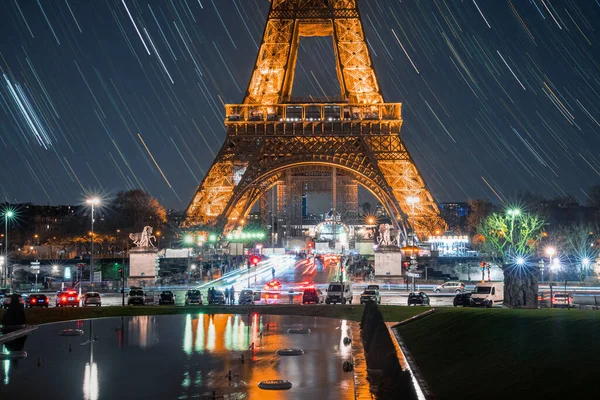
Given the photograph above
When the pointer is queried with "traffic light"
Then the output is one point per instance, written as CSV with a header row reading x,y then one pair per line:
x,y
254,260
120,272
482,264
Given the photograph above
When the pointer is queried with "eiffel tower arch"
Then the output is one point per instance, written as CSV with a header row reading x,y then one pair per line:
x,y
273,141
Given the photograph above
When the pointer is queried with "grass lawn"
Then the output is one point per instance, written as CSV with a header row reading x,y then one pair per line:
x,y
349,312
517,354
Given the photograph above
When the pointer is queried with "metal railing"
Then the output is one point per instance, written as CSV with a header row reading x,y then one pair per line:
x,y
312,112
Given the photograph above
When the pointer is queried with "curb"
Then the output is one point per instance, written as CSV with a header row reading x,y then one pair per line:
x,y
17,334
407,361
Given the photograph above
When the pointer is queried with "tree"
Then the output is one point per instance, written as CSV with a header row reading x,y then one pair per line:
x,y
480,209
134,209
594,195
578,244
511,236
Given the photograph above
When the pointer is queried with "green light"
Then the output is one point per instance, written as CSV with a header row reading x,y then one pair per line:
x,y
514,212
229,236
212,238
188,239
9,214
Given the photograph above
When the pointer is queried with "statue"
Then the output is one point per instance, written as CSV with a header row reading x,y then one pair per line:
x,y
144,238
384,235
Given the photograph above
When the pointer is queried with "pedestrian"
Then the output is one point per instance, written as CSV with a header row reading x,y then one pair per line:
x,y
273,273
226,295
209,296
232,295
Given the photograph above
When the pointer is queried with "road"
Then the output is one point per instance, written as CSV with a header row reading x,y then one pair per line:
x,y
294,275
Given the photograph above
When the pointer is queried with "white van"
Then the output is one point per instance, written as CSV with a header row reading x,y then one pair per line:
x,y
488,294
339,292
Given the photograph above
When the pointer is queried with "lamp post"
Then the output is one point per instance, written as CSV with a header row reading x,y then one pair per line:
x,y
7,214
94,201
550,252
412,200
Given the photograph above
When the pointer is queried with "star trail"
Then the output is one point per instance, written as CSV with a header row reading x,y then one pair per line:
x,y
498,95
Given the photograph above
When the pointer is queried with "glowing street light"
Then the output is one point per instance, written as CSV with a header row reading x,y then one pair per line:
x,y
520,261
93,201
550,252
188,239
514,212
7,214
585,262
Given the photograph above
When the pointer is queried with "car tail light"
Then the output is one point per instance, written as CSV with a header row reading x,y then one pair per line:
x,y
64,298
33,300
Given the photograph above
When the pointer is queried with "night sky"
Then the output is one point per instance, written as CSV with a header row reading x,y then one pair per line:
x,y
106,95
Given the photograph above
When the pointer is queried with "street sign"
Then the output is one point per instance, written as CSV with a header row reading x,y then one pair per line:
x,y
35,265
413,274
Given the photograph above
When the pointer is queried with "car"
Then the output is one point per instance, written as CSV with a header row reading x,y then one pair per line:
x,y
193,297
8,299
273,286
419,298
218,297
370,295
450,287
247,297
37,300
166,297
91,299
487,294
562,300
312,295
67,298
339,292
373,287
135,296
462,299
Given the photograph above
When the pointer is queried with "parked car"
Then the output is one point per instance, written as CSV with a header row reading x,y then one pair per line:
x,y
450,287
562,300
92,299
462,299
218,297
135,296
419,298
246,297
37,300
339,292
312,295
370,295
67,298
193,296
487,294
166,297
7,299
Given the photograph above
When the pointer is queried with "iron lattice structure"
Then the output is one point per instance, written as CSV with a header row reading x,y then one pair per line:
x,y
269,134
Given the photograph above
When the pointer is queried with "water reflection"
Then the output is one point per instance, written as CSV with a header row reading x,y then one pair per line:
x,y
143,331
182,356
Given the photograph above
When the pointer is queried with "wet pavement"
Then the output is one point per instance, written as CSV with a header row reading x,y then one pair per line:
x,y
180,357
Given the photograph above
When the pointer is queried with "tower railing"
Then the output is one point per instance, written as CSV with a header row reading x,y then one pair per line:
x,y
312,112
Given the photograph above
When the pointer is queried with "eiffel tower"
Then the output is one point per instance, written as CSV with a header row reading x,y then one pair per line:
x,y
277,145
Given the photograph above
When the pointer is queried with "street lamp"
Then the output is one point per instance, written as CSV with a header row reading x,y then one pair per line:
x,y
514,212
94,201
520,261
7,214
550,252
412,200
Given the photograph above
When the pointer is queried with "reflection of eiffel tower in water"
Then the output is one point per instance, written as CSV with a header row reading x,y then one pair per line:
x,y
277,150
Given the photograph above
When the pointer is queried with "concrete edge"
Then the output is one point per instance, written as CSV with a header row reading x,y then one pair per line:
x,y
407,361
416,317
17,334
361,384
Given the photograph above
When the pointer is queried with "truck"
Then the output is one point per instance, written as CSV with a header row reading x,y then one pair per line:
x,y
488,294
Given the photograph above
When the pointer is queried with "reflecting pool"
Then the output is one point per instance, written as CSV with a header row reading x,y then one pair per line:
x,y
180,357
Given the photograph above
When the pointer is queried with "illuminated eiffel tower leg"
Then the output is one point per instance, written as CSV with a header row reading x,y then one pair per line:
x,y
269,135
